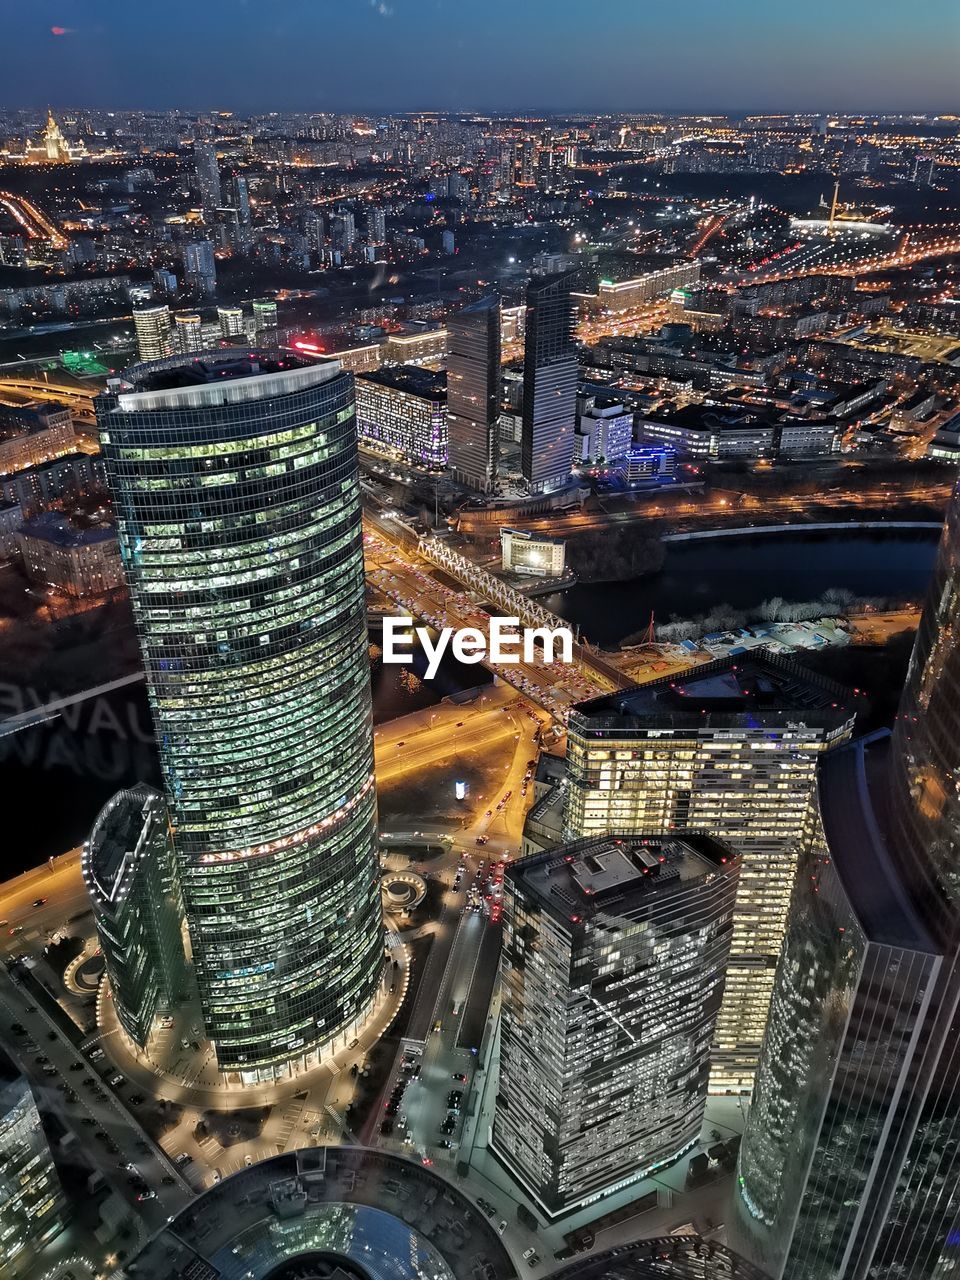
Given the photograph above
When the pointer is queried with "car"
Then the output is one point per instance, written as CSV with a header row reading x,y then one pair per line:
x,y
50,1071
146,1194
167,1181
76,1066
458,1075
488,813
528,1253
136,1100
17,928
387,1127
459,724
18,1029
482,839
51,1035
128,1165
401,744
116,1079
166,1022
248,1160
41,1059
533,1260
216,1175
3,922
183,1158
446,1144
88,1121
502,1226
39,902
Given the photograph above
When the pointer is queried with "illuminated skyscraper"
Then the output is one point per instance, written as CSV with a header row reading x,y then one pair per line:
x,y
200,267
154,336
208,174
32,1203
549,384
613,962
237,502
850,1164
231,321
188,332
473,393
129,869
730,748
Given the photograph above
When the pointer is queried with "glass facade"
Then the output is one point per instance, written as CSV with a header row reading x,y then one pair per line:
x,y
130,872
613,963
473,383
850,1164
402,413
731,748
238,510
550,371
32,1203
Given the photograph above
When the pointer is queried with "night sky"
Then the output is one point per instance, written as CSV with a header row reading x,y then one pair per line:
x,y
496,55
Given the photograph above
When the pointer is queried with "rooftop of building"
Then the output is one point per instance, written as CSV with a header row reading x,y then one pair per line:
x,y
853,792
617,873
116,835
679,1257
366,1210
18,420
64,531
209,379
748,690
411,378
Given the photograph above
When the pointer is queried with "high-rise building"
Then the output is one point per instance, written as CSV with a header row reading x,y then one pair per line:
x,y
343,231
208,175
231,321
241,199
730,748
131,875
676,1257
376,225
549,384
32,1203
612,971
154,332
402,412
237,500
200,267
850,1164
188,332
264,316
473,393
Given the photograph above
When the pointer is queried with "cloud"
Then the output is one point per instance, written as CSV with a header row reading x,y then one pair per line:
x,y
61,31
384,10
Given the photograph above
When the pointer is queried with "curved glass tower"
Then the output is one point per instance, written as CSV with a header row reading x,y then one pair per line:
x,y
238,509
850,1163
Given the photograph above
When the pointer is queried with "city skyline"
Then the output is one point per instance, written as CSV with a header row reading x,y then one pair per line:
x,y
621,58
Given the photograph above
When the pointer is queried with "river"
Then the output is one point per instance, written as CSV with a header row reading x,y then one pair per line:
x,y
742,572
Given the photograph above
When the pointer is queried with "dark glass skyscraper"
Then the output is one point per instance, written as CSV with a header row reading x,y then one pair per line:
x,y
549,383
238,508
613,964
473,393
850,1164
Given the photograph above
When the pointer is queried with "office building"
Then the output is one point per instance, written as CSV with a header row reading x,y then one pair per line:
x,y
604,431
549,384
32,434
730,748
473,393
241,199
154,332
612,970
200,267
32,1203
421,346
237,500
208,175
678,1257
402,412
230,320
130,872
76,558
652,465
187,333
850,1165
535,554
